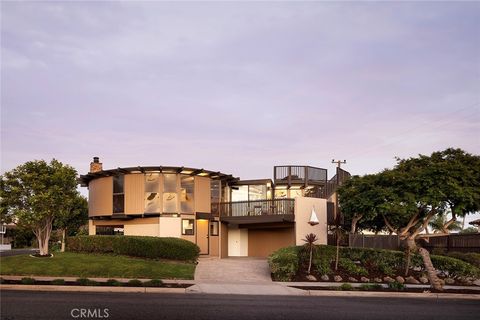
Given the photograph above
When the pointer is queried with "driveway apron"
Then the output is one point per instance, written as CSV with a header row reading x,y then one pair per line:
x,y
240,275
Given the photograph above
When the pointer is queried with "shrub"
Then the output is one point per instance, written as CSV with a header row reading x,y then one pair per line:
x,y
58,282
397,286
153,283
135,283
284,263
322,265
346,287
86,282
454,268
27,281
113,283
350,267
470,257
370,286
136,246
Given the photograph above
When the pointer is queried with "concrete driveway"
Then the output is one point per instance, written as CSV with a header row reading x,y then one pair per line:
x,y
237,276
232,270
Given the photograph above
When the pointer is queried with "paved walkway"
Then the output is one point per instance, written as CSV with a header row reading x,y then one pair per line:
x,y
237,276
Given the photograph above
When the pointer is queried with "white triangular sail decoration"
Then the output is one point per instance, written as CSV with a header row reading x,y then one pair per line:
x,y
313,218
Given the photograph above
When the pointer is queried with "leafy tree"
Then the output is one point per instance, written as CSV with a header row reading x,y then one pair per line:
x,y
72,217
310,240
358,200
35,194
413,193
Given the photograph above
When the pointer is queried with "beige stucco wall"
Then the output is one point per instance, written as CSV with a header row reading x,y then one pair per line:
x,y
134,188
303,210
100,197
171,227
202,194
262,242
142,227
91,228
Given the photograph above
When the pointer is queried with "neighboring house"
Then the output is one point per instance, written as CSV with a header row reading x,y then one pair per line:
x,y
223,215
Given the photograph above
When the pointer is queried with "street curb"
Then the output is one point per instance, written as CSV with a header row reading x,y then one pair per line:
x,y
73,279
364,294
25,287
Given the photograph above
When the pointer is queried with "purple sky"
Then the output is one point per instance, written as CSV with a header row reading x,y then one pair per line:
x,y
238,87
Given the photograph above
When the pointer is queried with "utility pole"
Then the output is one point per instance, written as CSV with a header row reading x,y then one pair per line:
x,y
339,162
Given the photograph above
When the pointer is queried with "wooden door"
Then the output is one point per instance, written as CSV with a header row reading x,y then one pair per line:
x,y
202,235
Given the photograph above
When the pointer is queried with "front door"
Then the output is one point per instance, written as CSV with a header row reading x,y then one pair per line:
x,y
202,235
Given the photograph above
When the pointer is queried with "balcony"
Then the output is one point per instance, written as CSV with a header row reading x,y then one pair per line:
x,y
258,211
299,175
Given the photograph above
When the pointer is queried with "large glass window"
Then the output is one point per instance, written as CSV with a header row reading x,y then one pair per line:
x,y
280,193
257,192
186,194
152,193
215,191
170,193
187,227
118,195
240,193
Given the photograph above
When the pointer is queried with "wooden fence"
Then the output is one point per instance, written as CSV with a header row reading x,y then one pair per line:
x,y
452,242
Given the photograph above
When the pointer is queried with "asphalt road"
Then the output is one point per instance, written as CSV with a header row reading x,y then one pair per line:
x,y
65,305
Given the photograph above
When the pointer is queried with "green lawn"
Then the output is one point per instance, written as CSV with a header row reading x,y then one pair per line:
x,y
70,264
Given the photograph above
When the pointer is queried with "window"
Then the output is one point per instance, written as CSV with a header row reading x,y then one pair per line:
x,y
257,192
152,193
118,196
240,193
109,230
186,195
187,227
215,191
214,228
170,193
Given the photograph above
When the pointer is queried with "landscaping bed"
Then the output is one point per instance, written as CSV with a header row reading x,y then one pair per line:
x,y
380,288
155,283
85,265
366,266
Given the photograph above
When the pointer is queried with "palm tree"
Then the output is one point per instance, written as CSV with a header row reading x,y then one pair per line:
x,y
438,225
310,240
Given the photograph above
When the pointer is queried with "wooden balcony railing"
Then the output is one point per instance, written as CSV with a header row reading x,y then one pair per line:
x,y
304,175
254,208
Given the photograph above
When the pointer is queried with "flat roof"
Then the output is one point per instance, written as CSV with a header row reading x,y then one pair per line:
x,y
84,180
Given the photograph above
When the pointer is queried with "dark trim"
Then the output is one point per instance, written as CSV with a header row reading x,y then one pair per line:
x,y
203,215
84,180
259,219
253,182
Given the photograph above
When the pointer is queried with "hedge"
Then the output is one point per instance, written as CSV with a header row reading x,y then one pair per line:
x,y
136,246
284,263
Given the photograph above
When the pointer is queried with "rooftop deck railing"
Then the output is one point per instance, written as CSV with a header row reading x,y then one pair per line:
x,y
304,175
254,208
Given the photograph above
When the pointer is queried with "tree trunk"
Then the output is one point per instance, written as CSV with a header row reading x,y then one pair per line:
x,y
64,232
432,275
310,261
338,252
411,246
43,235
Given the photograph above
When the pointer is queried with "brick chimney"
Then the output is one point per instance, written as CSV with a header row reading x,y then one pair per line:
x,y
96,165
